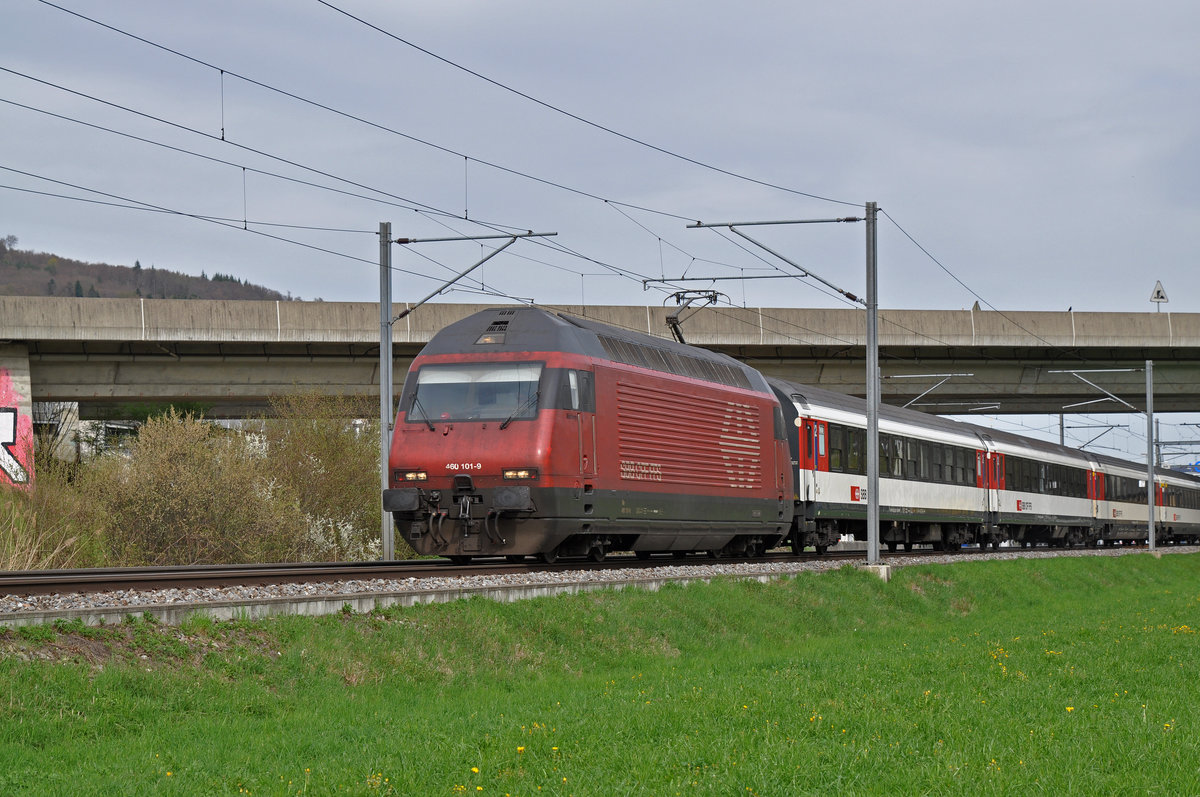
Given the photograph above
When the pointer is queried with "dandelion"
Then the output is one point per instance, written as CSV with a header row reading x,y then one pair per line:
x,y
475,770
520,749
1070,709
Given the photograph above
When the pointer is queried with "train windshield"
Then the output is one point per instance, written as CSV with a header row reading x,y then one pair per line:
x,y
475,391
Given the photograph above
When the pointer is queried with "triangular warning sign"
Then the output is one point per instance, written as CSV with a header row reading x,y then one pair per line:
x,y
1159,294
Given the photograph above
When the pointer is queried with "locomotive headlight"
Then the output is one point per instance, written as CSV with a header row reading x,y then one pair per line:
x,y
517,474
415,476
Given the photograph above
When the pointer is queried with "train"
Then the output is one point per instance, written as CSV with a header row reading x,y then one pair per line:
x,y
527,433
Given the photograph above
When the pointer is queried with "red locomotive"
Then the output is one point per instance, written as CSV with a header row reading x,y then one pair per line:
x,y
522,432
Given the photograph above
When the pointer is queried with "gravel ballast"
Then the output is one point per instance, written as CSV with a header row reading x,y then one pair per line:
x,y
171,605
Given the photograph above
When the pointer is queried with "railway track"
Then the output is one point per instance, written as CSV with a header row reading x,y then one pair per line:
x,y
45,582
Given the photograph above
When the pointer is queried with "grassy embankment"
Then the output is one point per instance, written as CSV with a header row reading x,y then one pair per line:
x,y
1053,676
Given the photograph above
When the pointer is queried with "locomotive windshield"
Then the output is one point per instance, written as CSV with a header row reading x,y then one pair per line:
x,y
475,391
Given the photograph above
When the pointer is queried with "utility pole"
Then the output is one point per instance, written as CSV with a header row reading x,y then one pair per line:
x,y
1150,451
387,531
872,391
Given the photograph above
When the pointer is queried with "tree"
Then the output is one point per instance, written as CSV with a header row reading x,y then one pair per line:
x,y
50,286
8,242
78,289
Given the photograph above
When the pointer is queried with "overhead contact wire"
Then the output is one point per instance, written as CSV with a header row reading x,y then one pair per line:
x,y
578,118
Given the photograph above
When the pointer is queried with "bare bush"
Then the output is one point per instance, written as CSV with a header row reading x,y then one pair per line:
x,y
187,492
304,487
321,451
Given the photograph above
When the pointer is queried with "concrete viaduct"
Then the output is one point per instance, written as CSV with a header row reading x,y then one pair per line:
x,y
232,356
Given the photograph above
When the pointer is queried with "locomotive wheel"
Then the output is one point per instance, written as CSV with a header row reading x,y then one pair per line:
x,y
642,555
679,554
595,554
908,547
460,559
549,557
515,558
822,549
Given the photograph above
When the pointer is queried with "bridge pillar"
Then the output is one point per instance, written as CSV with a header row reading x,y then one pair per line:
x,y
16,416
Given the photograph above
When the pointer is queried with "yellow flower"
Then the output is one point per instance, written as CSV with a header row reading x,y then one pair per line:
x,y
475,770
1070,708
520,749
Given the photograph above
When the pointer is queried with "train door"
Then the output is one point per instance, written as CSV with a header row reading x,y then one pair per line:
x,y
810,456
812,448
993,477
820,440
1095,489
582,399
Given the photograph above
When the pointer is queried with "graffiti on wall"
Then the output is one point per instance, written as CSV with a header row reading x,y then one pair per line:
x,y
16,435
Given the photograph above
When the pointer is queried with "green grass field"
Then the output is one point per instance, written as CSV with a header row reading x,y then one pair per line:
x,y
1072,675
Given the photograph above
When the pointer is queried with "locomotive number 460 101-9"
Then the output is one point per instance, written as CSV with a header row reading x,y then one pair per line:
x,y
460,466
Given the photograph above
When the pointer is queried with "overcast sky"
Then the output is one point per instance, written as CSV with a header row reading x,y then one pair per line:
x,y
1044,152
1047,154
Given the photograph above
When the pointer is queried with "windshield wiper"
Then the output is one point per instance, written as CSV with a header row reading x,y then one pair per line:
x,y
524,406
416,406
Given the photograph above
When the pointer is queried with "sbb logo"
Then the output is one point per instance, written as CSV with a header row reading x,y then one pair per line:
x,y
858,494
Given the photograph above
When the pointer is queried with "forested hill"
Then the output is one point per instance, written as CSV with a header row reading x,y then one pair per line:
x,y
27,273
